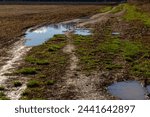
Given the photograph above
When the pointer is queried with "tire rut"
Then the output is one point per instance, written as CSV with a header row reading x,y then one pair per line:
x,y
84,87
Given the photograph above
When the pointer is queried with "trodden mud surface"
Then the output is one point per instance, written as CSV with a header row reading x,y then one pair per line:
x,y
84,87
15,55
76,82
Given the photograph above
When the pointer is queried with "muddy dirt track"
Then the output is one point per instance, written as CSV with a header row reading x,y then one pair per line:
x,y
76,83
15,19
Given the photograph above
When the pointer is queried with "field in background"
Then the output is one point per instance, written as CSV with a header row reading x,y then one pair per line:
x,y
14,19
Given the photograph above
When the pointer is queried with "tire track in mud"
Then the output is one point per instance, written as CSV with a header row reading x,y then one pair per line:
x,y
77,84
15,55
84,87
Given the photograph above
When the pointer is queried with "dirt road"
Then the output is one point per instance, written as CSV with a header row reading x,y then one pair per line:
x,y
84,86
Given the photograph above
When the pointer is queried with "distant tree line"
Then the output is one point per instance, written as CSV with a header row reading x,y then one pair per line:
x,y
138,1
63,0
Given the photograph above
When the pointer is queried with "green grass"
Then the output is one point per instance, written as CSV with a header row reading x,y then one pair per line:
x,y
85,52
131,50
110,46
113,66
33,60
103,54
141,68
33,84
133,13
28,71
54,48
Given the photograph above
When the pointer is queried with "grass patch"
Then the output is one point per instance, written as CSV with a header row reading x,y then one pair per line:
x,y
131,50
113,66
133,13
141,68
27,71
110,53
110,46
33,84
55,47
33,60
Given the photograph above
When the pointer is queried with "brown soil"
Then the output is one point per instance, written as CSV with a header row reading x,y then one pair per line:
x,y
15,19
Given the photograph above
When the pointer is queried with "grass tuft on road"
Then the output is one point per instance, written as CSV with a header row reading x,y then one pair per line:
x,y
46,65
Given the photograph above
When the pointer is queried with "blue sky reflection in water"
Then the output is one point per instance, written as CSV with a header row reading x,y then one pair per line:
x,y
42,34
128,90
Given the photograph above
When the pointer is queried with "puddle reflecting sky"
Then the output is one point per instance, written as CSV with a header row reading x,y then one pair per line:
x,y
128,90
40,35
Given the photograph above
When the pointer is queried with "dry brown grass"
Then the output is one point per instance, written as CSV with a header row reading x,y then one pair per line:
x,y
14,19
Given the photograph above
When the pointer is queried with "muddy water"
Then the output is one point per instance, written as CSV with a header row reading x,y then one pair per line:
x,y
128,90
148,89
42,34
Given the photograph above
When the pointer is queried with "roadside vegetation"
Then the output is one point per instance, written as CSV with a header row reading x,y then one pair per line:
x,y
95,54
133,13
120,58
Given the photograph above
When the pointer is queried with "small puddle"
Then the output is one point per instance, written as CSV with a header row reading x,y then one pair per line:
x,y
128,90
148,89
42,34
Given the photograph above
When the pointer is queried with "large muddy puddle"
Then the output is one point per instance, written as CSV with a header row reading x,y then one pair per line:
x,y
42,34
128,90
